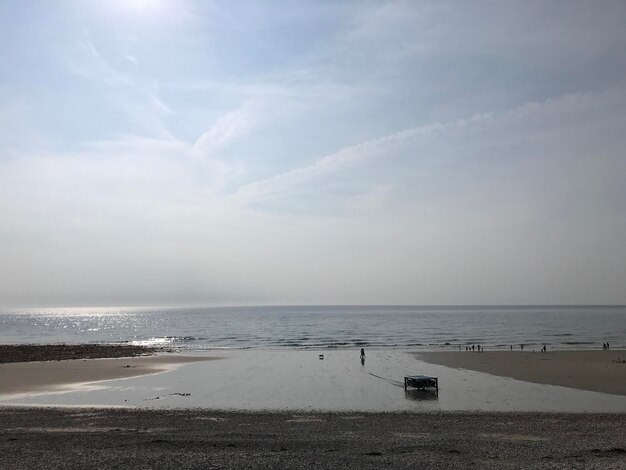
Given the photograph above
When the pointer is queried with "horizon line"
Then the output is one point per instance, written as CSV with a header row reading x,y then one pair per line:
x,y
283,305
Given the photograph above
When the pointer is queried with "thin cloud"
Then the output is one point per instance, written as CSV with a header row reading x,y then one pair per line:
x,y
89,63
347,157
354,155
226,129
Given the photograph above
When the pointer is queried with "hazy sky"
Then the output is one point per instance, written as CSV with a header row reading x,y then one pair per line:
x,y
211,152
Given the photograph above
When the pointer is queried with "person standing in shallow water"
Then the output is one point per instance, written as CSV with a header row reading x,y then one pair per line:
x,y
362,356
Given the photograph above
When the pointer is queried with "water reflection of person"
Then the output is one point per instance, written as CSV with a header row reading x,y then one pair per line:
x,y
362,356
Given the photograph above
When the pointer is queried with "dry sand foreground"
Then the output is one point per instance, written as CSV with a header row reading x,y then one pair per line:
x,y
122,438
586,370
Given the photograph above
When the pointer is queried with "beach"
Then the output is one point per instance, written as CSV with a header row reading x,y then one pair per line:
x,y
34,377
292,409
28,369
584,370
209,439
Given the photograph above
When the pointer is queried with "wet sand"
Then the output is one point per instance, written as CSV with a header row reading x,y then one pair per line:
x,y
584,370
49,376
123,438
289,380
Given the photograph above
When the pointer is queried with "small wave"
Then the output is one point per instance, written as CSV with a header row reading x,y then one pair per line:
x,y
186,338
163,340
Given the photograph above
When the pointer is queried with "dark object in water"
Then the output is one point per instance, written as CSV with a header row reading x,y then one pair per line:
x,y
421,382
321,356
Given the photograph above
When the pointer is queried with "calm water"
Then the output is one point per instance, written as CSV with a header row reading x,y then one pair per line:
x,y
321,327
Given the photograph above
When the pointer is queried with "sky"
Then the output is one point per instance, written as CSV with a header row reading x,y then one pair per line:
x,y
161,152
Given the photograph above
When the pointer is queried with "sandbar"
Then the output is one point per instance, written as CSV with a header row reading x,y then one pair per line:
x,y
46,376
585,370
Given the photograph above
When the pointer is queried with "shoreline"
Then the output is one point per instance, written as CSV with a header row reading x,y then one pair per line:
x,y
114,438
582,369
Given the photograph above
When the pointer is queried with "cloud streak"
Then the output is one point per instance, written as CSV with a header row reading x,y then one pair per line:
x,y
90,64
354,155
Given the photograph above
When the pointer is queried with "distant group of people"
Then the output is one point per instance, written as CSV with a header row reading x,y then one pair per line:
x,y
477,347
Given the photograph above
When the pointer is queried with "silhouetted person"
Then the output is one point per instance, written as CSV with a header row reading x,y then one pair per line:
x,y
472,347
511,347
608,348
521,346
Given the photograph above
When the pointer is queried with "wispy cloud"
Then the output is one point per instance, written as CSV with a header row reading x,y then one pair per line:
x,y
578,109
348,157
226,129
138,97
89,63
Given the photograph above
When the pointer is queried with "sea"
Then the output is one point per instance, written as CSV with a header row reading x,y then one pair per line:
x,y
321,327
